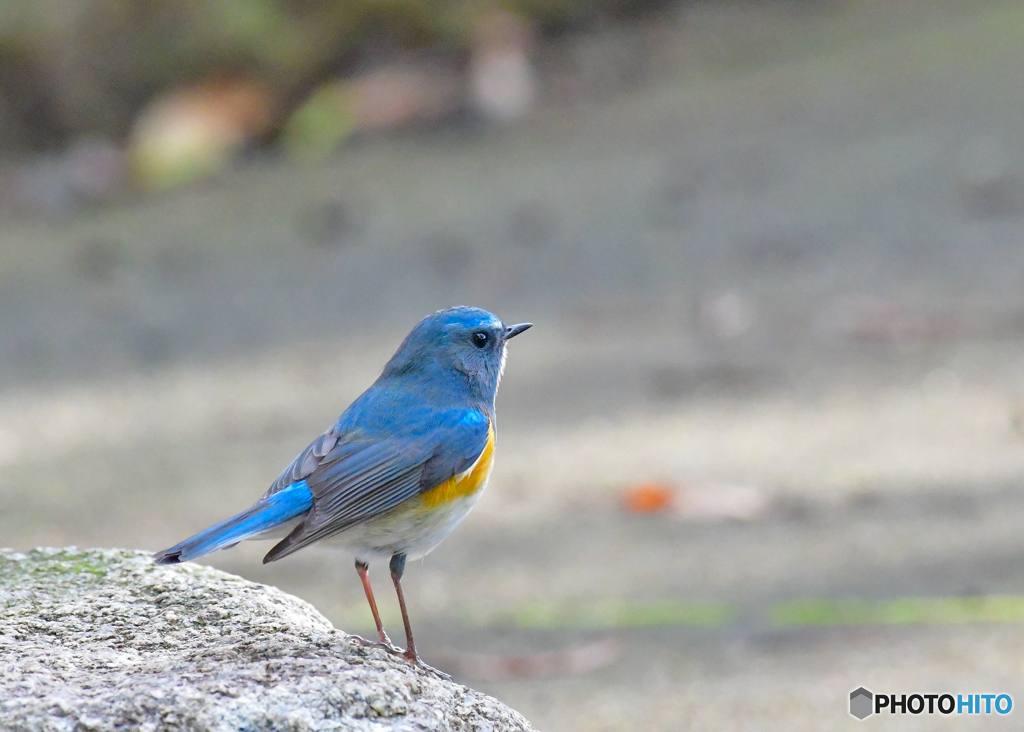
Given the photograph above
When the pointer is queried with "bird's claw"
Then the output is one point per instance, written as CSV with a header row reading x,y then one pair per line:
x,y
385,645
412,658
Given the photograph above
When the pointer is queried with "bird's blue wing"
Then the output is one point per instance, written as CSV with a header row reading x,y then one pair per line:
x,y
361,478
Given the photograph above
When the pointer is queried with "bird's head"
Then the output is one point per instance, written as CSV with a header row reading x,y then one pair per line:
x,y
468,343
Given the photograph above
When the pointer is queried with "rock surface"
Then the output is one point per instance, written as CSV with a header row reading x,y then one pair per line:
x,y
103,639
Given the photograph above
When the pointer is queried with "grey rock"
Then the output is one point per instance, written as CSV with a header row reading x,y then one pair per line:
x,y
103,639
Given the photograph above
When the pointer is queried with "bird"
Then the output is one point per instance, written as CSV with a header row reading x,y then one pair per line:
x,y
401,467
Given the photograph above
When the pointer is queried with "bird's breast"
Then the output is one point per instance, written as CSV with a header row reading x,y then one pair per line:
x,y
466,483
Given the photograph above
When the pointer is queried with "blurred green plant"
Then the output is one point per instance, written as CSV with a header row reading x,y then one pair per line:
x,y
608,614
904,611
322,123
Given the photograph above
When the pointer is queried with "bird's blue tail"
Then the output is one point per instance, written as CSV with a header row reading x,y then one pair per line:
x,y
275,509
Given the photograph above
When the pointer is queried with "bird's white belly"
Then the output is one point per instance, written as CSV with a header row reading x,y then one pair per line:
x,y
411,528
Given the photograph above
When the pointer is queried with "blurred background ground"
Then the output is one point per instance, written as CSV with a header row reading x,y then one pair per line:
x,y
773,254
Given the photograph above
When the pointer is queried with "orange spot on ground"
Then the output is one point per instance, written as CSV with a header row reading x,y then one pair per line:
x,y
649,498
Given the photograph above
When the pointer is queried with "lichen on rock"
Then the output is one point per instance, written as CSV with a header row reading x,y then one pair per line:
x,y
103,639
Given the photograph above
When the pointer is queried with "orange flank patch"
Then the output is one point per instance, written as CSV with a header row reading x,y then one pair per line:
x,y
464,484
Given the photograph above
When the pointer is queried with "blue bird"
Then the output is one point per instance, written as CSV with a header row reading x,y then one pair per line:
x,y
399,470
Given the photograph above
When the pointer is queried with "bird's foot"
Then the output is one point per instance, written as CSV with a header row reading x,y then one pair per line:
x,y
414,659
384,644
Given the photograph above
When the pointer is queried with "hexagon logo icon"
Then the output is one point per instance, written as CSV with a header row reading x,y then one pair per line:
x,y
861,703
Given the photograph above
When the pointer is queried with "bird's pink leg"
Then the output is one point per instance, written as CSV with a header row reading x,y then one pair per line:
x,y
364,577
397,569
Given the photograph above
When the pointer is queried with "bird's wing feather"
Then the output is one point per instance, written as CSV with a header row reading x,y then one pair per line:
x,y
307,461
360,479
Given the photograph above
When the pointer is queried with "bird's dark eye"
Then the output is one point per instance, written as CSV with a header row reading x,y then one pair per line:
x,y
480,339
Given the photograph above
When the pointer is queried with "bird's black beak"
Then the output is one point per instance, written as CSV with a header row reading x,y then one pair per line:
x,y
513,330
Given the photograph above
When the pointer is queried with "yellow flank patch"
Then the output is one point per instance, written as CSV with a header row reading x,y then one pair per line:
x,y
463,484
